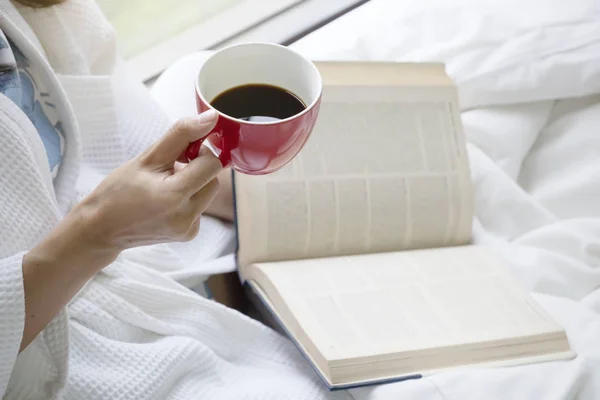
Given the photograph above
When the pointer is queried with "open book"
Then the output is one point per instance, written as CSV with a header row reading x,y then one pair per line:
x,y
361,246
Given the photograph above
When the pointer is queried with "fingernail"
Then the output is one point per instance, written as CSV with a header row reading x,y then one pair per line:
x,y
207,116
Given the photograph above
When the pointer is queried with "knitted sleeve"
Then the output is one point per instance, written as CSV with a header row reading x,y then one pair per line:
x,y
27,214
12,315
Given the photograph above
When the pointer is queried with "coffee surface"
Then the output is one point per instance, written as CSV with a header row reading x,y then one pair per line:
x,y
258,103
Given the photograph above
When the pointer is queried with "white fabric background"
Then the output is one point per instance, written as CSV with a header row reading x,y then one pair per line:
x,y
528,72
135,333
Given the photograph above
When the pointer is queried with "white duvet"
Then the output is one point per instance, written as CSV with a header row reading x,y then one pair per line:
x,y
529,78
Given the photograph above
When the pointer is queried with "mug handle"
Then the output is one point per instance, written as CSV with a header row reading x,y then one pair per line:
x,y
194,148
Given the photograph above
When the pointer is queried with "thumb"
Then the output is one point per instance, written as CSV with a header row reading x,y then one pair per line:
x,y
168,149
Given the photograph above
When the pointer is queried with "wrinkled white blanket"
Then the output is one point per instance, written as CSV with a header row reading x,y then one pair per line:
x,y
529,78
134,333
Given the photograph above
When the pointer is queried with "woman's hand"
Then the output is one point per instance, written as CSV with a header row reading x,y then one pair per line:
x,y
150,199
154,199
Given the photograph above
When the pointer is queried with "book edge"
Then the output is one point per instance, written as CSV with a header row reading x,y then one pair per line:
x,y
236,230
277,324
412,73
519,361
253,287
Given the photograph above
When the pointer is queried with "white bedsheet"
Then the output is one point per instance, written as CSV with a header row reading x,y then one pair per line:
x,y
529,77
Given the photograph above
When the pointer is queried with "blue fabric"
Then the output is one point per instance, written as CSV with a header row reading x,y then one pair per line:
x,y
17,82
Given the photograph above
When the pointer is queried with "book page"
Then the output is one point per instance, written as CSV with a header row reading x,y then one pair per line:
x,y
384,170
366,305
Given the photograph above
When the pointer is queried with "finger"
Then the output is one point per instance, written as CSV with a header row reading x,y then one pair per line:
x,y
187,224
200,201
169,148
178,167
193,231
198,172
182,158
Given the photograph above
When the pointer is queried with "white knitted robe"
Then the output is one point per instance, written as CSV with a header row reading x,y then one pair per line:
x,y
132,332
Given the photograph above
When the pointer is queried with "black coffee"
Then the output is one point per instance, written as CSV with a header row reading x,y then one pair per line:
x,y
258,103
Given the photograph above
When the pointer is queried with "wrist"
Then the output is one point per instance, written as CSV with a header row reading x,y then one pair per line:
x,y
58,267
75,243
84,224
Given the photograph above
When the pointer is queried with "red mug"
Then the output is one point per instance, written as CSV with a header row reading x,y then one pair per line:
x,y
251,147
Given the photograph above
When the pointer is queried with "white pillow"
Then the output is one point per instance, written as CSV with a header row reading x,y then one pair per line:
x,y
497,51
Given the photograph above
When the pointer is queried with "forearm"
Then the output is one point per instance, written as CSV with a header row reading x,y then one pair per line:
x,y
145,201
56,269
